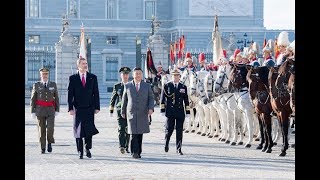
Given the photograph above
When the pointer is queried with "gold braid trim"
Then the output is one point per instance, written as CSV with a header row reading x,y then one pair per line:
x,y
161,106
187,108
111,108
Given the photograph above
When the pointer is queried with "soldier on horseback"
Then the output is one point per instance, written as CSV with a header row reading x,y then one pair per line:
x,y
282,43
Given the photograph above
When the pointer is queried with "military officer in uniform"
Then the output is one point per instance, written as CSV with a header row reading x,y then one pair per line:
x,y
115,100
44,107
175,106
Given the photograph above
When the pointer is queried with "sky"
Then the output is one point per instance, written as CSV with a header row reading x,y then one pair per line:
x,y
279,14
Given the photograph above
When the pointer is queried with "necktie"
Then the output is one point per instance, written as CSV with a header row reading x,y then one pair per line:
x,y
137,87
83,81
45,85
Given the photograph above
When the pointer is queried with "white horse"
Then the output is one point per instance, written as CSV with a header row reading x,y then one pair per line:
x,y
220,88
189,124
213,114
243,104
202,107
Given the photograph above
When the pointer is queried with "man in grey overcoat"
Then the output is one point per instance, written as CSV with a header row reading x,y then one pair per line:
x,y
137,106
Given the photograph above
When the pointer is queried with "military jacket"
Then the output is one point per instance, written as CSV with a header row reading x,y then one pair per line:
x,y
44,95
116,97
174,101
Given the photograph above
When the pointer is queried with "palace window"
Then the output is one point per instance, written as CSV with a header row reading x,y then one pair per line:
x,y
34,39
111,69
34,8
112,40
149,9
111,9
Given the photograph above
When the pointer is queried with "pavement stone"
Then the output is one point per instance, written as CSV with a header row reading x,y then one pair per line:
x,y
204,158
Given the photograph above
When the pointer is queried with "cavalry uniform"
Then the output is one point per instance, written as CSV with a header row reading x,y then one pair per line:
x,y
45,103
268,61
175,104
115,101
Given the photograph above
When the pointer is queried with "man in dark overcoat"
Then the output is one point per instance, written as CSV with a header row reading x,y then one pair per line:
x,y
137,106
83,104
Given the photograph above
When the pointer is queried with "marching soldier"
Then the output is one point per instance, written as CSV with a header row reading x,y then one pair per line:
x,y
116,101
44,107
175,106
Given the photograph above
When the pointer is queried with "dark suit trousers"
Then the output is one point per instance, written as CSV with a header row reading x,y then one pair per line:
x,y
124,137
171,122
87,141
136,143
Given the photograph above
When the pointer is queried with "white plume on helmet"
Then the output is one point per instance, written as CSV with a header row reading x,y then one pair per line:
x,y
269,46
283,39
291,47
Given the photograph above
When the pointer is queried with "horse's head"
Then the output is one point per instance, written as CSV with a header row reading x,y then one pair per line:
x,y
284,73
237,76
185,77
273,74
193,82
221,81
208,83
257,78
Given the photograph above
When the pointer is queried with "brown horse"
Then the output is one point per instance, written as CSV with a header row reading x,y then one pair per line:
x,y
280,101
259,93
288,69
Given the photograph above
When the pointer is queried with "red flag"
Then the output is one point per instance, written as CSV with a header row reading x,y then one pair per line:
x,y
183,42
264,41
150,64
172,53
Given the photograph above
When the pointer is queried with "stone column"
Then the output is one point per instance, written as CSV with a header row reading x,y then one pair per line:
x,y
160,50
66,56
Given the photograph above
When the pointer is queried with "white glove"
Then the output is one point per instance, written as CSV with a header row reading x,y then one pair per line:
x,y
56,113
33,116
163,114
111,114
187,116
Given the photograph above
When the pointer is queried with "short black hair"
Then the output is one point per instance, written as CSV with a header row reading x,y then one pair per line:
x,y
137,68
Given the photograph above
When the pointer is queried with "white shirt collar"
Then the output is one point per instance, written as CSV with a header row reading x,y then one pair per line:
x,y
80,74
44,82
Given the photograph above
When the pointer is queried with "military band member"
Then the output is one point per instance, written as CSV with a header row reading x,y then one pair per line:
x,y
175,106
115,101
44,107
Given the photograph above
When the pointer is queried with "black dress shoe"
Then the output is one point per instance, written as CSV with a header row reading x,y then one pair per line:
x,y
80,155
136,156
49,147
179,152
139,155
166,148
43,151
88,153
127,150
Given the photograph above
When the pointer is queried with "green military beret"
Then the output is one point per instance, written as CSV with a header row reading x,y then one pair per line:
x,y
125,70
